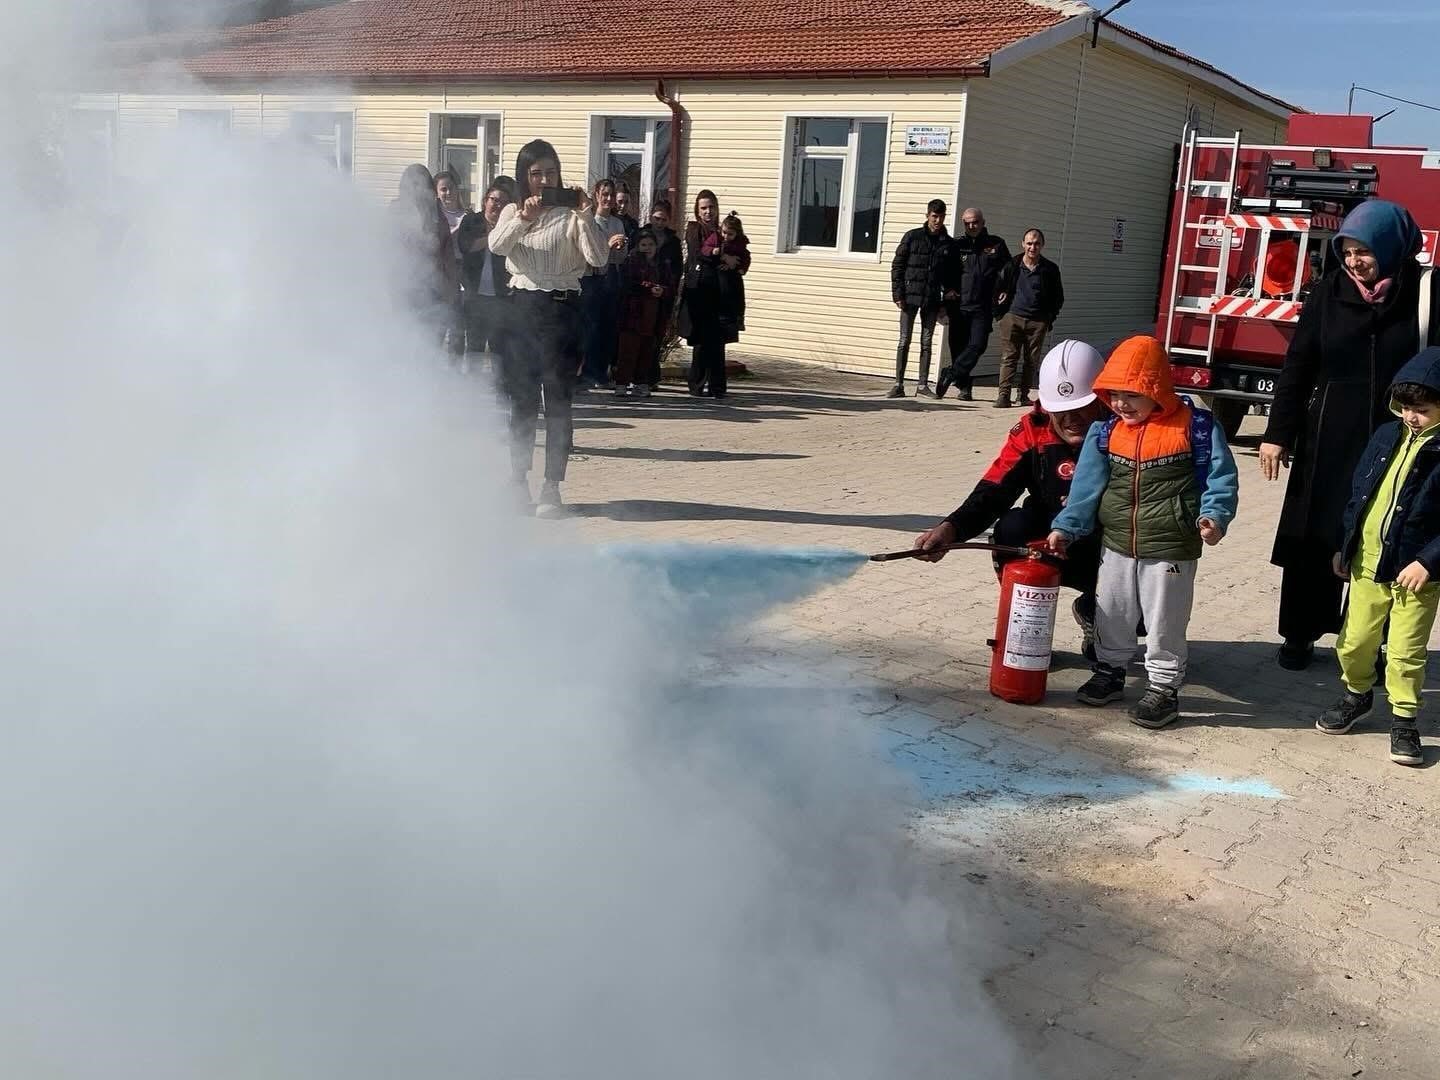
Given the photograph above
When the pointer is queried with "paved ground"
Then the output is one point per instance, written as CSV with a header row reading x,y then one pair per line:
x,y
1164,913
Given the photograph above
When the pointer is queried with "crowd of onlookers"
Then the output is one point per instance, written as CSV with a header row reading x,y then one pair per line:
x,y
970,281
565,289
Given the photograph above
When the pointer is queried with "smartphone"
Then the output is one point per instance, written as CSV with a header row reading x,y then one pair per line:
x,y
554,196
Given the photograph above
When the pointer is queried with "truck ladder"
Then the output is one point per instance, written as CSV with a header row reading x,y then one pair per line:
x,y
1196,188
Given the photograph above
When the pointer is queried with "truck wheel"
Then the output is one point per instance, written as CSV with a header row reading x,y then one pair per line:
x,y
1229,413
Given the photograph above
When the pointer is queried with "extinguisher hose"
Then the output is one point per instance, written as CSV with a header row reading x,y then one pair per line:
x,y
999,549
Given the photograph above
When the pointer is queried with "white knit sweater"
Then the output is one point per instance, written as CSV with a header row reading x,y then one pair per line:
x,y
550,253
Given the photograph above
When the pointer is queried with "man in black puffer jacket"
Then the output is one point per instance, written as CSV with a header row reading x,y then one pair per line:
x,y
915,276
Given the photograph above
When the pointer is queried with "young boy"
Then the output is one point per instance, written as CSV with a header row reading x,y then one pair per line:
x,y
1159,480
1390,554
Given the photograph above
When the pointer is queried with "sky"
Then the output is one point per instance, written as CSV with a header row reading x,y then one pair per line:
x,y
1310,53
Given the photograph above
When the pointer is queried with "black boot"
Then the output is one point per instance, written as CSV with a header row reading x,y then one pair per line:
x,y
1295,655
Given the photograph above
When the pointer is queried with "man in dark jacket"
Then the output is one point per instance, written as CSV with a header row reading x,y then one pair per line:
x,y
915,282
971,275
1028,299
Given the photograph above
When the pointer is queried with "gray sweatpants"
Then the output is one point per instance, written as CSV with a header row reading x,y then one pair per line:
x,y
1161,591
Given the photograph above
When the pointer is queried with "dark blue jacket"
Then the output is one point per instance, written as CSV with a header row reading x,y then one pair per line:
x,y
1414,531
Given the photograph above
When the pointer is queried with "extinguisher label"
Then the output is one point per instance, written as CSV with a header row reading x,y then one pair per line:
x,y
1031,628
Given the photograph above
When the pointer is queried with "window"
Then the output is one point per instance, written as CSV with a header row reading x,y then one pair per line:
x,y
469,146
635,151
836,175
89,144
206,121
329,134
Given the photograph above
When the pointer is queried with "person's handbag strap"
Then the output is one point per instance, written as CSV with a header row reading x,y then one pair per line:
x,y
1427,291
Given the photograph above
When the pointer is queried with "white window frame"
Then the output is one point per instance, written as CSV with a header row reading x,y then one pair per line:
x,y
331,112
598,149
437,142
792,155
225,111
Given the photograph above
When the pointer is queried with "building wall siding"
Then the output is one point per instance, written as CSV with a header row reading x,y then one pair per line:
x,y
1074,138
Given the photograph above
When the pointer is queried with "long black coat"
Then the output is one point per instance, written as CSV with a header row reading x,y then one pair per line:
x,y
1332,394
917,270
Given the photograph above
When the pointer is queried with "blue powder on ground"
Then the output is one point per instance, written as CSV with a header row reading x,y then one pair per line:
x,y
725,583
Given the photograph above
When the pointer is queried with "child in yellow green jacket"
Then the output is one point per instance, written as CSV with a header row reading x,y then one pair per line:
x,y
1391,555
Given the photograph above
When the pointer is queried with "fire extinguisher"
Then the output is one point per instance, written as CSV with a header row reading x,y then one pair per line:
x,y
1025,627
1025,623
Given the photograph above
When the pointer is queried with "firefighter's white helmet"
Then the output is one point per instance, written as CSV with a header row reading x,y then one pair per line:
x,y
1066,376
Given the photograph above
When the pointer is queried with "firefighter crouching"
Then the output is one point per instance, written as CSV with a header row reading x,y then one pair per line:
x,y
1038,459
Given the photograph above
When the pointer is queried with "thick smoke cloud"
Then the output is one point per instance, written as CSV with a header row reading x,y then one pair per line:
x,y
321,763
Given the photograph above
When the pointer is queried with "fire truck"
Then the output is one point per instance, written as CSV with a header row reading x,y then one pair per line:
x,y
1250,232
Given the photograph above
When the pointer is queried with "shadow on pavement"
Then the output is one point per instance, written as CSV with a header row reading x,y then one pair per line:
x,y
667,510
657,454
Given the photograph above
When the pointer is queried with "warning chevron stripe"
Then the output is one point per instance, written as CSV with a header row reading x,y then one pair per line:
x,y
1243,307
1268,221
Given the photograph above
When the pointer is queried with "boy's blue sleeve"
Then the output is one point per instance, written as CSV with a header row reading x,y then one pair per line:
x,y
1221,497
1092,474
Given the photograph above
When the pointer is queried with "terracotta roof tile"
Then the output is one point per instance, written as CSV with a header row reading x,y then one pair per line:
x,y
551,39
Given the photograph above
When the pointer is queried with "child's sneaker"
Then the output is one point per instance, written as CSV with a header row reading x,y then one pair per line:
x,y
1158,707
1343,715
1107,684
1405,744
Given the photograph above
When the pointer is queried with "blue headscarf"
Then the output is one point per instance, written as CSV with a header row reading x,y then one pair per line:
x,y
1386,228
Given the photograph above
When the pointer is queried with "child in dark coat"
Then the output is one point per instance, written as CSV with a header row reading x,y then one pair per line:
x,y
647,295
734,253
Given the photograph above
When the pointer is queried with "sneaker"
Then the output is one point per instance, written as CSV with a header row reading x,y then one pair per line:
x,y
896,391
1343,715
1405,744
1295,655
624,391
550,505
1084,611
1160,705
1105,685
923,390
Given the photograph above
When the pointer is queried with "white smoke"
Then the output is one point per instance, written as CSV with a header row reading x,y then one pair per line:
x,y
318,761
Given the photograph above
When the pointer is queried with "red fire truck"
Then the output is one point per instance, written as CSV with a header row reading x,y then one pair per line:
x,y
1250,231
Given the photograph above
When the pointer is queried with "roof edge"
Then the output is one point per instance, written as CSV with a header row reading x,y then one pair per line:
x,y
1133,41
1138,43
968,71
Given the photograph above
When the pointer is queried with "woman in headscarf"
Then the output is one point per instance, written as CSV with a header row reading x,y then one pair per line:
x,y
1360,324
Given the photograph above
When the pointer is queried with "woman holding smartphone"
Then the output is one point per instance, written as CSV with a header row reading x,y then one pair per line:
x,y
548,239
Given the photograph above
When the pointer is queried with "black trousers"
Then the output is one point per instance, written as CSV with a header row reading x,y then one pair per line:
x,y
928,315
969,335
1310,593
1021,524
542,357
487,321
707,362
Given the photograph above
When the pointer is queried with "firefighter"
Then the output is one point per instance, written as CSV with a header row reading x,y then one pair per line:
x,y
1038,459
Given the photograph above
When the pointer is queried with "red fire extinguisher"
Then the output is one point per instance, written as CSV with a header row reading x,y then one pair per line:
x,y
1025,628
